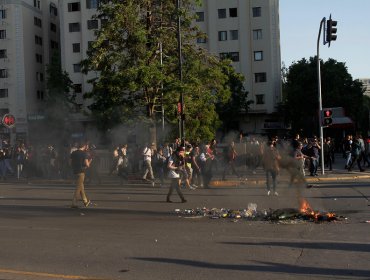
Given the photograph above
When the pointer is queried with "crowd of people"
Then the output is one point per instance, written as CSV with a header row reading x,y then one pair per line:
x,y
187,165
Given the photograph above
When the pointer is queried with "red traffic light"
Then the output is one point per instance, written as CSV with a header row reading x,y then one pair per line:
x,y
328,113
8,120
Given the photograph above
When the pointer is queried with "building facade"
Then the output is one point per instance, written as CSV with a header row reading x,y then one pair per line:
x,y
245,31
366,84
29,33
248,33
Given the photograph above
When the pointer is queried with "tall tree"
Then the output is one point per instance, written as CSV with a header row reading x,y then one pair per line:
x,y
301,93
136,56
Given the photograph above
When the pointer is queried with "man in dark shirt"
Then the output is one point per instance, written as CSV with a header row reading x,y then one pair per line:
x,y
80,161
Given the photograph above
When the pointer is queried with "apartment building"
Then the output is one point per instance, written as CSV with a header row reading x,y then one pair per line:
x,y
366,84
246,31
29,33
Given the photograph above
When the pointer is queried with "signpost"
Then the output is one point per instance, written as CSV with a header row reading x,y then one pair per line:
x,y
8,120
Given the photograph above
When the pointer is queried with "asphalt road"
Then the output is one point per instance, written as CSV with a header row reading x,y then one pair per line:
x,y
131,233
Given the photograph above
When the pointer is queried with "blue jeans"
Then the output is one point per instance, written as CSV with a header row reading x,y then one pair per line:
x,y
313,165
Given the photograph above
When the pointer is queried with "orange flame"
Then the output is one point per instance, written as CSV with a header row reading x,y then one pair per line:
x,y
306,209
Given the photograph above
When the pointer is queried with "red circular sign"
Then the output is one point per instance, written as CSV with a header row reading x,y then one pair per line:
x,y
8,120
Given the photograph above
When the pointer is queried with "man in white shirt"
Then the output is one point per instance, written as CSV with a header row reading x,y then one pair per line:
x,y
147,153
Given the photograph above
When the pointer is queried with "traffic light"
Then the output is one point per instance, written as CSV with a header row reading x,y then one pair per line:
x,y
328,117
331,30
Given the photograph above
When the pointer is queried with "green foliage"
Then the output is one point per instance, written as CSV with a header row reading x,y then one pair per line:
x,y
301,93
132,78
238,104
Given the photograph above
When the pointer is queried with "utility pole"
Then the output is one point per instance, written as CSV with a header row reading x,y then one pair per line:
x,y
179,49
330,35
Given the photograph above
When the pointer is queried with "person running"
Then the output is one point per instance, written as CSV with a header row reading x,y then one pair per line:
x,y
80,161
176,163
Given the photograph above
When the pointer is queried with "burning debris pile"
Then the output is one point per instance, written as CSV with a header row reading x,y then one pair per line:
x,y
305,213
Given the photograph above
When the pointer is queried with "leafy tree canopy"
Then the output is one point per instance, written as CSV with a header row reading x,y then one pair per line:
x,y
136,57
337,87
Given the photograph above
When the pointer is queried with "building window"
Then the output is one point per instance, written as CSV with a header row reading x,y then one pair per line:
x,y
233,12
3,53
201,40
200,17
39,76
3,92
74,27
221,13
260,99
103,22
92,24
234,35
92,4
76,47
40,95
3,73
38,40
54,45
260,77
53,27
258,56
257,34
2,14
38,58
77,68
36,3
37,21
234,56
74,7
256,11
222,35
2,34
53,10
77,88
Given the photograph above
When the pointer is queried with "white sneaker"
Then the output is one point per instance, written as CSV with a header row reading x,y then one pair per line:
x,y
276,193
194,186
269,192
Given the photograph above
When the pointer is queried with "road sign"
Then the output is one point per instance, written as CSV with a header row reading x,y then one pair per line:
x,y
8,120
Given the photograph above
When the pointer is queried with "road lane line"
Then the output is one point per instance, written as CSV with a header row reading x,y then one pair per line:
x,y
48,275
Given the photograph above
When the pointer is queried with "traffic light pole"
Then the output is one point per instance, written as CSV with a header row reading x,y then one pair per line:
x,y
320,99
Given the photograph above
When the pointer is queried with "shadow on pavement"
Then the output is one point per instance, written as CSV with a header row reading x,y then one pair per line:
x,y
264,267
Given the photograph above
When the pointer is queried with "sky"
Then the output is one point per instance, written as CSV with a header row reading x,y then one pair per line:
x,y
300,25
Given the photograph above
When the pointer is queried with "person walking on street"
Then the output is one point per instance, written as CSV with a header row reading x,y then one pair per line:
x,y
271,159
328,153
176,163
80,161
230,156
148,153
356,154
